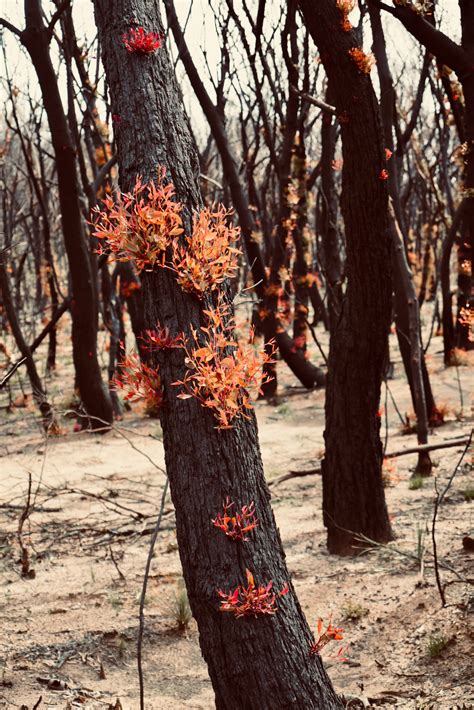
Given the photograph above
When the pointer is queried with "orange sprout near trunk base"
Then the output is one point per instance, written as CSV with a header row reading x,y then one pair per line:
x,y
331,633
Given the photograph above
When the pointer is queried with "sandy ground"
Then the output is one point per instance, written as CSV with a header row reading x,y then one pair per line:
x,y
68,634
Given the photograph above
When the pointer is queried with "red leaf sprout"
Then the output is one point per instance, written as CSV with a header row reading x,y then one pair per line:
x,y
251,600
330,633
137,41
160,339
235,526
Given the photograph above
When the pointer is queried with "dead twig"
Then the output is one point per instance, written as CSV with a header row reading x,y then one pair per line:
x,y
120,573
141,618
316,340
438,500
120,431
26,571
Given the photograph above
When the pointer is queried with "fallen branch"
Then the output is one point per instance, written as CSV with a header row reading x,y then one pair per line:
x,y
429,447
391,455
295,474
38,509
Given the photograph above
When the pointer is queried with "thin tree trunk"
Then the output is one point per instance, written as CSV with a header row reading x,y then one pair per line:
x,y
415,367
331,246
408,288
445,276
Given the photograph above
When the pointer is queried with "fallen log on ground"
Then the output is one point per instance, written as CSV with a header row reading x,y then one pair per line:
x,y
448,443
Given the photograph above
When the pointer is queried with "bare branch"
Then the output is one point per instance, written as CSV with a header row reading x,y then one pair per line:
x,y
8,25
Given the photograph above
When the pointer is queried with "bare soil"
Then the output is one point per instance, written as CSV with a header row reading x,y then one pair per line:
x,y
68,633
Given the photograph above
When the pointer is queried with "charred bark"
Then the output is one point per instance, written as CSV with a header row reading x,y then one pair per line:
x,y
255,662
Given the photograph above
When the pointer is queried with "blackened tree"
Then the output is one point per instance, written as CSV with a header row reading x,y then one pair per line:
x,y
353,495
253,662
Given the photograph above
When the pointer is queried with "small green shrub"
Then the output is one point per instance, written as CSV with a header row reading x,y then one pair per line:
x,y
468,493
415,483
115,601
181,610
436,644
353,611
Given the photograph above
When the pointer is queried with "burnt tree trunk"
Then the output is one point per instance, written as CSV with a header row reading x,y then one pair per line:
x,y
36,38
253,662
445,277
407,287
353,494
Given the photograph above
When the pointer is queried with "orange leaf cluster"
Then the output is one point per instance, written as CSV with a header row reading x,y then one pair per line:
x,y
389,473
331,633
139,381
364,61
140,224
208,257
160,339
237,525
251,600
222,374
466,319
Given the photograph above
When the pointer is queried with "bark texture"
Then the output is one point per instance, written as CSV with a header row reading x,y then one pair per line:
x,y
253,662
353,494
